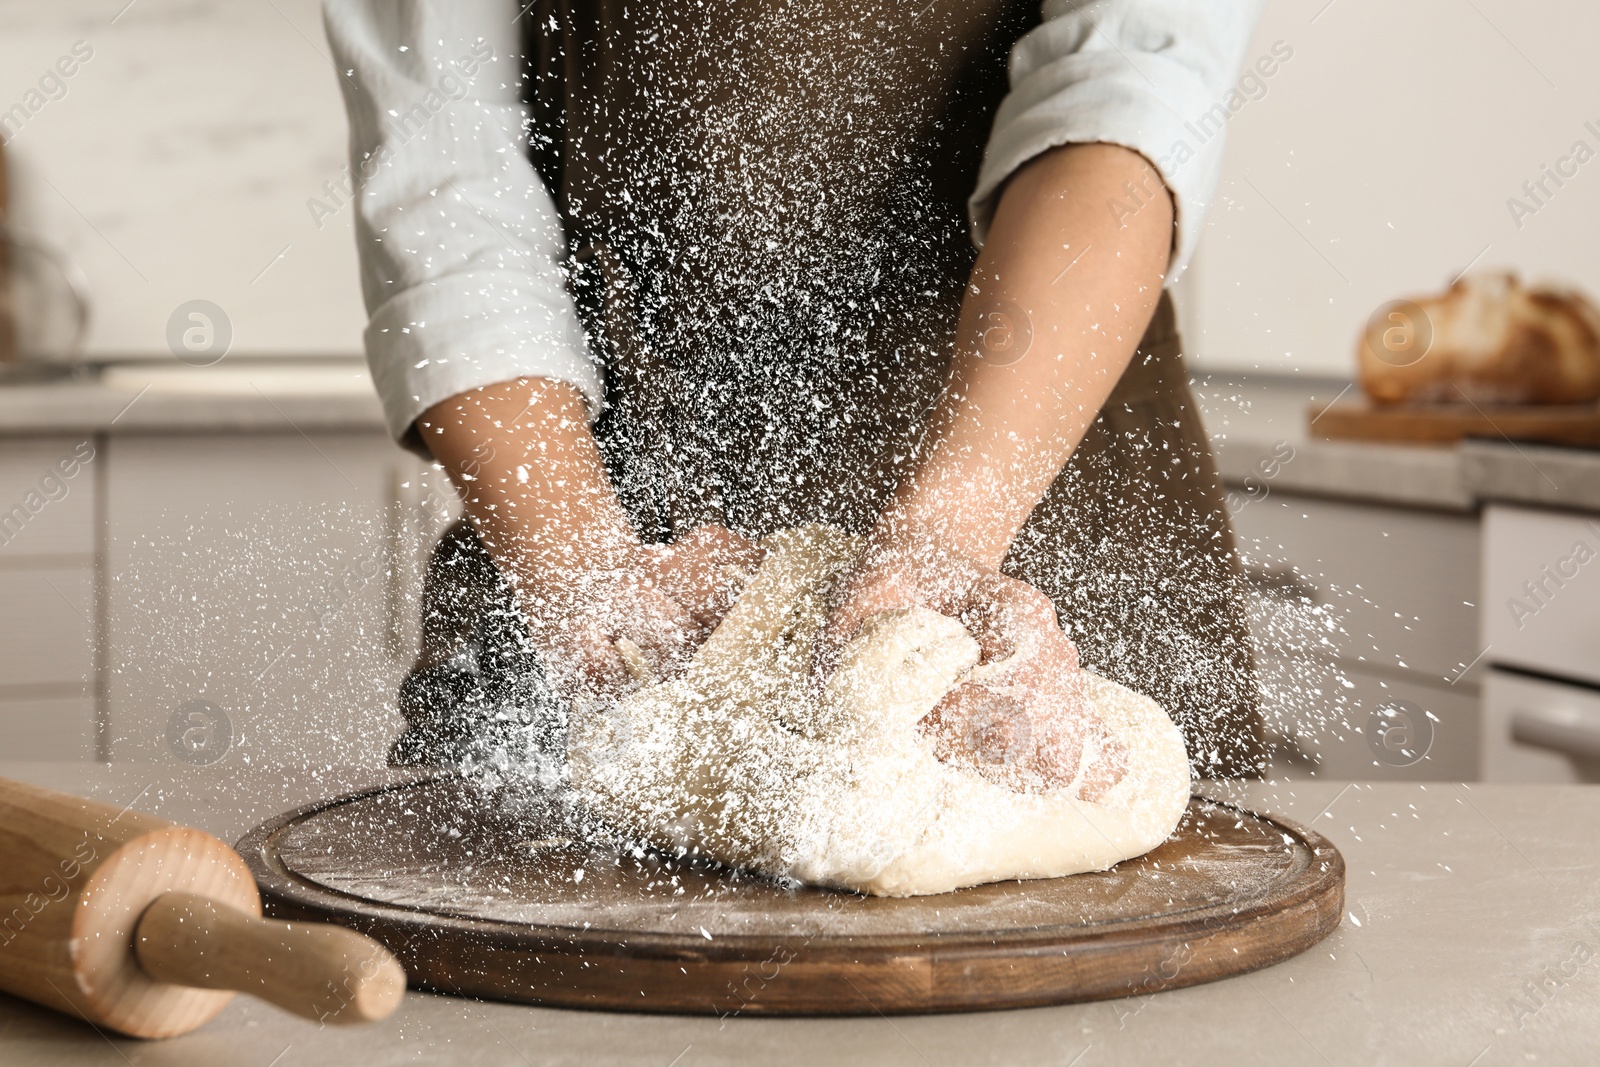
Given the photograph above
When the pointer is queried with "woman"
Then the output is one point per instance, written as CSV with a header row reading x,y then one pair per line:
x,y
652,280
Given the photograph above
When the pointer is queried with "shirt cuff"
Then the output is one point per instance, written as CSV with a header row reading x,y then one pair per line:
x,y
421,352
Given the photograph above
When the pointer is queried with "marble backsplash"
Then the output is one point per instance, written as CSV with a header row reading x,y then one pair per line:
x,y
175,162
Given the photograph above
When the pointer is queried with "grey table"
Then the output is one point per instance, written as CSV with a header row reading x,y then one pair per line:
x,y
1472,937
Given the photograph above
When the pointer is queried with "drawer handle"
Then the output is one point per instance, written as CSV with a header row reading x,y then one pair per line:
x,y
1280,580
1571,731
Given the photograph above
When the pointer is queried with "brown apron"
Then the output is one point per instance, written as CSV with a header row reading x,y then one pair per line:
x,y
765,202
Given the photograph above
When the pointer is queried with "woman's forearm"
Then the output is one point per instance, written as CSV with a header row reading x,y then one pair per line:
x,y
605,611
531,478
1058,301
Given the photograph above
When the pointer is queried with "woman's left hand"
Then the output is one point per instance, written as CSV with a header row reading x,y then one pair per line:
x,y
1024,724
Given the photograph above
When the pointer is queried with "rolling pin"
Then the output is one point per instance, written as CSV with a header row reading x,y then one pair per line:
x,y
149,928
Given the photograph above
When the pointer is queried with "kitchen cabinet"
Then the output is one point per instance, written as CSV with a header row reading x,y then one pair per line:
x,y
1539,729
251,591
1472,569
49,608
1541,639
50,728
1335,720
1399,586
1541,578
47,498
258,589
53,643
1365,619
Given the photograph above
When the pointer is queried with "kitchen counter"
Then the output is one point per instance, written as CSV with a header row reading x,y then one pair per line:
x,y
1472,936
1261,431
1254,423
1561,477
239,396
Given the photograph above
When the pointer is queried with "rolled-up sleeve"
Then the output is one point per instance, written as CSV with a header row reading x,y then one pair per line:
x,y
1156,76
461,246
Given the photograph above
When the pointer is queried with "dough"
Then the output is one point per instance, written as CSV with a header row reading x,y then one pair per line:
x,y
739,759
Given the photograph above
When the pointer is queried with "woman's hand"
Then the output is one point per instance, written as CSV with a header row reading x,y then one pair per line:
x,y
1053,313
1023,721
703,571
607,613
607,631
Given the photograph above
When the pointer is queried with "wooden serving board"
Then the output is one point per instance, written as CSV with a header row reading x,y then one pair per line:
x,y
1362,420
484,892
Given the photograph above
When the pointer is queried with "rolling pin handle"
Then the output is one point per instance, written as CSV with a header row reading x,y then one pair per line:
x,y
323,972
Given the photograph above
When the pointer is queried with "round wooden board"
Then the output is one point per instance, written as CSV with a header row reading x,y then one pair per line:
x,y
484,892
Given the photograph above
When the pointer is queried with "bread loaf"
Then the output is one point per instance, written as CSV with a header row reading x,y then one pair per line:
x,y
1488,339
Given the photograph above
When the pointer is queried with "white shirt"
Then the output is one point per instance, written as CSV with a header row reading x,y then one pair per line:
x,y
461,246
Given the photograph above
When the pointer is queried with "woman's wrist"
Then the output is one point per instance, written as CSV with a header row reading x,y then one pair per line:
x,y
552,558
533,483
925,523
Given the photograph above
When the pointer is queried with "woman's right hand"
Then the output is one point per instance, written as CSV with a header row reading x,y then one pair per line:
x,y
608,631
606,613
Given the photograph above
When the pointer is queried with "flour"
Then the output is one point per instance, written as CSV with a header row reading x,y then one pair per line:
x,y
742,760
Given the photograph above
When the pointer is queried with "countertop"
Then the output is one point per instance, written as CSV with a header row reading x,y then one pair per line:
x,y
1260,428
1472,937
1257,424
233,396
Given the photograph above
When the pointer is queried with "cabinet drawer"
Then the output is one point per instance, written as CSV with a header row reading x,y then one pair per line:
x,y
1536,730
1398,586
1541,585
252,572
1381,728
47,728
46,632
47,497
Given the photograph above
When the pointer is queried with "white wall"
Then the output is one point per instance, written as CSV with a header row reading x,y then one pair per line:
x,y
1391,142
178,164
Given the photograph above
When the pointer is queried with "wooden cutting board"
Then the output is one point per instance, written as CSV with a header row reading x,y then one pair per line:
x,y
484,892
1362,420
